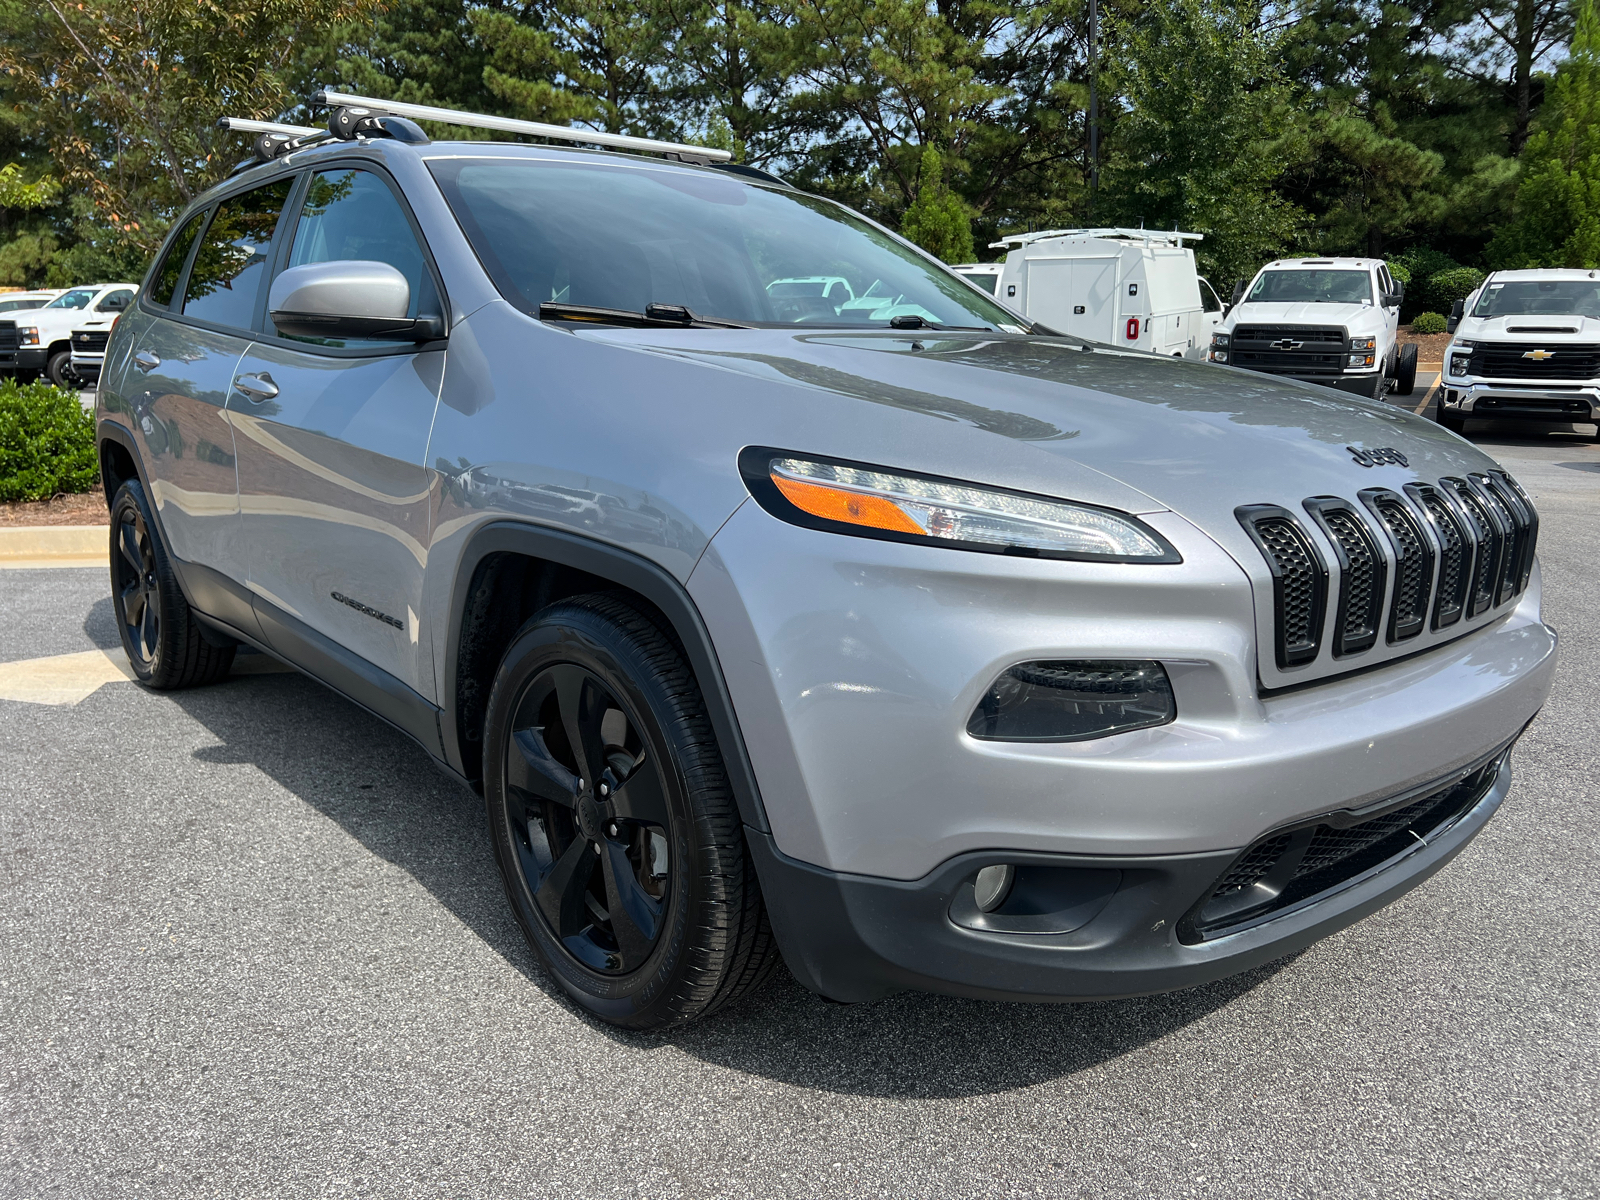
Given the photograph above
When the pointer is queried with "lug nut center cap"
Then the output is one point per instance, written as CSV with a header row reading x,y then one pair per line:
x,y
591,816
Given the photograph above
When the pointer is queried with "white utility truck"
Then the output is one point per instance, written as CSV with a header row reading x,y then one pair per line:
x,y
1136,288
38,341
1527,344
1333,321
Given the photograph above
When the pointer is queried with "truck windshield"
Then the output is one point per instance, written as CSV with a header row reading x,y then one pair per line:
x,y
1540,297
626,235
1312,287
76,298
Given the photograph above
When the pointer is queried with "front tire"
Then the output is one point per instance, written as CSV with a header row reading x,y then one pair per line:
x,y
159,631
613,824
1405,375
58,370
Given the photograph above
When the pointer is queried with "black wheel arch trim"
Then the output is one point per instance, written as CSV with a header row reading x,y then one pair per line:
x,y
625,569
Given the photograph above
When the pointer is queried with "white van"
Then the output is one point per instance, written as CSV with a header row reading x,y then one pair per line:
x,y
1130,287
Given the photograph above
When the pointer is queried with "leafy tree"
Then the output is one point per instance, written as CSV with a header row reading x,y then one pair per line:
x,y
1513,36
937,219
1556,218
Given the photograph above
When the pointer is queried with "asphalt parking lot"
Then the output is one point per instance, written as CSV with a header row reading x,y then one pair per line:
x,y
253,945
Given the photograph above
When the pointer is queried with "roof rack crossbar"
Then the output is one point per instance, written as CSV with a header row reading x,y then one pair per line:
x,y
245,125
1109,231
450,116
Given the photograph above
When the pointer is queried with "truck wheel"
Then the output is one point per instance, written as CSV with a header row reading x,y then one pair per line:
x,y
1405,375
58,370
614,828
159,631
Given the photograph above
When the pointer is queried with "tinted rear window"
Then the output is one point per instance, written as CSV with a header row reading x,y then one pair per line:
x,y
232,259
165,280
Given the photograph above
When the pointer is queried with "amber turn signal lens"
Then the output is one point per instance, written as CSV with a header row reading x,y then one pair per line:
x,y
852,508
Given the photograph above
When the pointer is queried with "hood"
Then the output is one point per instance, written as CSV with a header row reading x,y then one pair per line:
x,y
1349,315
1529,327
1196,438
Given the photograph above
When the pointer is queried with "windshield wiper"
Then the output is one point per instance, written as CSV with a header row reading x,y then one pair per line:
x,y
654,316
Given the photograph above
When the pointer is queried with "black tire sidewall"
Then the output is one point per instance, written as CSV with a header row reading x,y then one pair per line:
x,y
171,608
1406,373
60,364
574,634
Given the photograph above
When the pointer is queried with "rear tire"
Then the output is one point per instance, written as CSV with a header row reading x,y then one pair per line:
x,y
160,633
1405,375
613,824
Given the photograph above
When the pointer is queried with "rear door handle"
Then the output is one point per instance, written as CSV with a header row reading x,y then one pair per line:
x,y
146,361
257,387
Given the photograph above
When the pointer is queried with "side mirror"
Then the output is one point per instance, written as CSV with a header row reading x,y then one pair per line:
x,y
1238,292
1457,311
114,304
1399,292
350,298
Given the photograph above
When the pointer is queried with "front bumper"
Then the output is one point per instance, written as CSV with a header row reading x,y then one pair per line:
x,y
854,938
87,366
1539,401
26,358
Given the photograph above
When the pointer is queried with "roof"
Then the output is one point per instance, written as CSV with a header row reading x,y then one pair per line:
x,y
1159,237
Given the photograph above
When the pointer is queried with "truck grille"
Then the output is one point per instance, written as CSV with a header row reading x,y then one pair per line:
x,y
1314,349
1289,867
90,341
8,337
1456,549
1509,360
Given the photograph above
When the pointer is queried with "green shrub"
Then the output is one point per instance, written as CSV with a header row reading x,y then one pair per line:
x,y
1428,323
1401,272
46,442
1446,287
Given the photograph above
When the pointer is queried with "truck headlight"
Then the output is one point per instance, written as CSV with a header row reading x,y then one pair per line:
x,y
1073,701
1460,364
28,335
866,501
1219,341
1363,343
1360,360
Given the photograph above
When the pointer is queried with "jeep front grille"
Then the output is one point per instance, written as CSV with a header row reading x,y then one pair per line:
x,y
1433,558
1287,868
1299,580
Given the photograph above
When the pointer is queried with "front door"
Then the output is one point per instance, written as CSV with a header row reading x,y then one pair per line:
x,y
331,441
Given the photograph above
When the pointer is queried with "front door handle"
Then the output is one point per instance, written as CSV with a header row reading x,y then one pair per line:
x,y
146,361
258,387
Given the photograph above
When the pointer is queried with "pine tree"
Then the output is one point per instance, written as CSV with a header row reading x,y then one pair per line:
x,y
1556,217
937,219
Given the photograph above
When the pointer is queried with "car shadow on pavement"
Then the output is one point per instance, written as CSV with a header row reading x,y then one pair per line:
x,y
384,791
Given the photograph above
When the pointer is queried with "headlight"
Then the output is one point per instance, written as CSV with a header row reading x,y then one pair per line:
x,y
1360,360
1219,339
1219,356
1460,364
28,335
1363,343
869,502
1073,701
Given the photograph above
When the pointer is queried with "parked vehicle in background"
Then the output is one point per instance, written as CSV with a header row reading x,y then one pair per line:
x,y
1526,344
16,301
985,275
1333,321
1135,288
38,341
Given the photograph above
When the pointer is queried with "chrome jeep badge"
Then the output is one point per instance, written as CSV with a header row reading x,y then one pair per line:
x,y
1378,457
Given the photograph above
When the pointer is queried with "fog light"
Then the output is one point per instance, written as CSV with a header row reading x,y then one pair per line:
x,y
1073,701
992,886
1219,356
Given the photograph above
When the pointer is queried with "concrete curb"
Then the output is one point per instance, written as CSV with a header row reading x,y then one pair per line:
x,y
53,546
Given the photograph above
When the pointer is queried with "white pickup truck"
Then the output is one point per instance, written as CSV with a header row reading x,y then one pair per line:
x,y
1333,321
38,341
1526,344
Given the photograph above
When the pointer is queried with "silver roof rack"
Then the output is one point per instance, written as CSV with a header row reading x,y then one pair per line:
x,y
450,116
1160,236
245,125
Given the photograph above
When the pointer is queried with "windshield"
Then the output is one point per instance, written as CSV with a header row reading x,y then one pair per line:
x,y
1313,287
1541,297
76,298
624,236
17,305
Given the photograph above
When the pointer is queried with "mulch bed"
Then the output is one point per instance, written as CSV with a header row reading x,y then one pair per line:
x,y
1430,346
86,509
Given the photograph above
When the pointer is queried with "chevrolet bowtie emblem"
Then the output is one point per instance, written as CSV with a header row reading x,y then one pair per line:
x,y
1539,355
1286,344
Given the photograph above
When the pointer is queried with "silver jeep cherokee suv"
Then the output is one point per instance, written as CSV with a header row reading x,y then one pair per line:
x,y
912,646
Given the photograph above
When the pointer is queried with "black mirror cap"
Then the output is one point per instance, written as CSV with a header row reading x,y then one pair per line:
x,y
1238,291
320,325
1399,290
1458,310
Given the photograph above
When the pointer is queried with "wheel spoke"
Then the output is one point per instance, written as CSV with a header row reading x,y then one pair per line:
x,y
150,627
128,543
634,915
641,797
560,894
531,770
582,707
133,602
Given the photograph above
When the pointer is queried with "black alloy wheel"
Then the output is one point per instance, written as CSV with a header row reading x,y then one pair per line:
x,y
165,643
614,827
586,802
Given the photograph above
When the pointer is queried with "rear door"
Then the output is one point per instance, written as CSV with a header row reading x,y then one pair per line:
x,y
331,440
178,393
